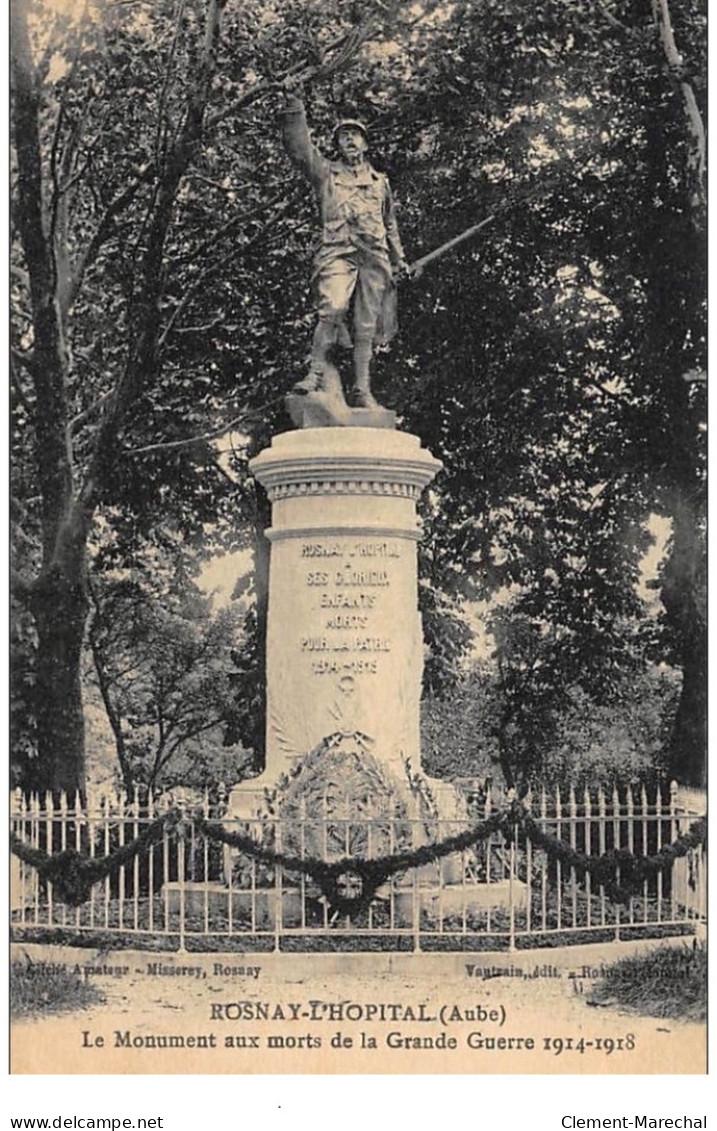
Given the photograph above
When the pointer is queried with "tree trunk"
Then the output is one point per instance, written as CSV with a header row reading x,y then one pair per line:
x,y
104,685
59,606
688,744
684,597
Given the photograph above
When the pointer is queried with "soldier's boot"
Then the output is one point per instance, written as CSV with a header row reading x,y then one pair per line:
x,y
308,384
324,338
363,397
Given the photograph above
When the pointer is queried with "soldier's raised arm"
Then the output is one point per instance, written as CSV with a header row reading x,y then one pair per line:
x,y
299,145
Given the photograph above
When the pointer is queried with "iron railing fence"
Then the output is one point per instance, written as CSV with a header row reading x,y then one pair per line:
x,y
189,891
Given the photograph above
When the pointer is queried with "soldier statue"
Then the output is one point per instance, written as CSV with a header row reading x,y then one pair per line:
x,y
360,256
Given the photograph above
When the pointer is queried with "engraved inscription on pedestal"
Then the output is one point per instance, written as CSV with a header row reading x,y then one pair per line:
x,y
349,652
352,592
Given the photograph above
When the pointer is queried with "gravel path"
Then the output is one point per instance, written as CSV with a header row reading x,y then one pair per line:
x,y
529,1012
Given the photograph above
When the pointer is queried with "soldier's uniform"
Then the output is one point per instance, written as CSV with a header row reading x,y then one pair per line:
x,y
359,242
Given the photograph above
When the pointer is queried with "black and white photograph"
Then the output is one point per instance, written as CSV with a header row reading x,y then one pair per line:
x,y
358,593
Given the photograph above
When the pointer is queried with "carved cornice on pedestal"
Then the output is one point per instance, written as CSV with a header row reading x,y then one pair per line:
x,y
302,488
344,461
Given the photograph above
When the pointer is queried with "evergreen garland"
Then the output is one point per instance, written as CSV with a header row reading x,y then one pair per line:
x,y
349,884
619,871
73,874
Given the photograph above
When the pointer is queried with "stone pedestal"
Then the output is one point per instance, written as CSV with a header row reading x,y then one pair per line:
x,y
344,638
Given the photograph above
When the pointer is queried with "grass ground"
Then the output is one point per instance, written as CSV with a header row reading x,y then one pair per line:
x,y
41,988
670,981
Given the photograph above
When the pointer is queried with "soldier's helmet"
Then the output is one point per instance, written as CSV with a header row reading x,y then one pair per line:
x,y
350,124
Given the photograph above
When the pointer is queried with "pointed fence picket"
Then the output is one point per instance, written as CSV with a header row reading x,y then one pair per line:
x,y
505,892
